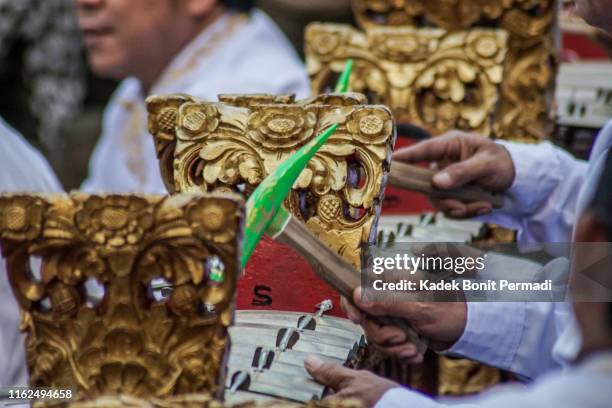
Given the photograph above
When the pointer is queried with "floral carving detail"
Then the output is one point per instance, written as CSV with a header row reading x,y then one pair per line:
x,y
485,47
325,43
198,120
400,47
167,119
21,219
209,222
371,125
116,221
65,299
164,114
281,128
329,207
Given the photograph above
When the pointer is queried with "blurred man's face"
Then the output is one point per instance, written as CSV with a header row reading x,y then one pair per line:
x,y
596,12
132,37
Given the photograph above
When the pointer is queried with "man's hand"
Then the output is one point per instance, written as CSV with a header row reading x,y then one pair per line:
x,y
442,322
463,158
347,383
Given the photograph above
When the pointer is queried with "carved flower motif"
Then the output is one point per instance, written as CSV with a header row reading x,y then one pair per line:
x,y
163,113
487,47
65,299
20,217
281,128
447,80
167,119
329,207
114,221
401,47
370,125
210,220
198,120
324,42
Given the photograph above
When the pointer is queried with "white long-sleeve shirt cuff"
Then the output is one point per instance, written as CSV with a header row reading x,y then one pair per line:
x,y
492,333
536,175
541,202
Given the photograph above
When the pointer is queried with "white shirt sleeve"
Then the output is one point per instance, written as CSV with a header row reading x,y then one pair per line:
x,y
403,397
514,336
586,385
22,169
541,203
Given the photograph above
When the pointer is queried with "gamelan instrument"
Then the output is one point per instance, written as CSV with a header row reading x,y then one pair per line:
x,y
269,348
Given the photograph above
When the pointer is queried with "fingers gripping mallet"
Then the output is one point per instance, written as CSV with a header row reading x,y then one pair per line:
x,y
417,178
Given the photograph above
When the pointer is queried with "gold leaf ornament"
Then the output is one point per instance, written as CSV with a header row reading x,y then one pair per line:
x,y
370,125
114,222
281,127
20,219
115,337
198,120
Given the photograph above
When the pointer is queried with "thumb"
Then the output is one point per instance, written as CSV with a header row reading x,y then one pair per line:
x,y
329,374
353,313
381,307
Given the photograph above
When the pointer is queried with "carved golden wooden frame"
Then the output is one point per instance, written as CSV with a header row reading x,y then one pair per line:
x,y
205,146
480,65
119,340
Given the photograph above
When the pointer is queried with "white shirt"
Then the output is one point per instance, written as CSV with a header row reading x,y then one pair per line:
x,y
235,54
586,385
22,169
550,190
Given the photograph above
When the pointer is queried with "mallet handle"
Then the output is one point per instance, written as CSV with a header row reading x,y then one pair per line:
x,y
416,178
337,272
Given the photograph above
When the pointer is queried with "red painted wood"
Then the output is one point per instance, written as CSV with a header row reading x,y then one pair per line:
x,y
583,47
281,274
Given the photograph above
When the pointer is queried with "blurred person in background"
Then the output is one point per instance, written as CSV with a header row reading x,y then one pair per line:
x,y
198,47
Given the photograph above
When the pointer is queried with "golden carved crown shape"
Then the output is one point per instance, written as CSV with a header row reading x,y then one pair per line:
x,y
479,65
233,145
92,321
